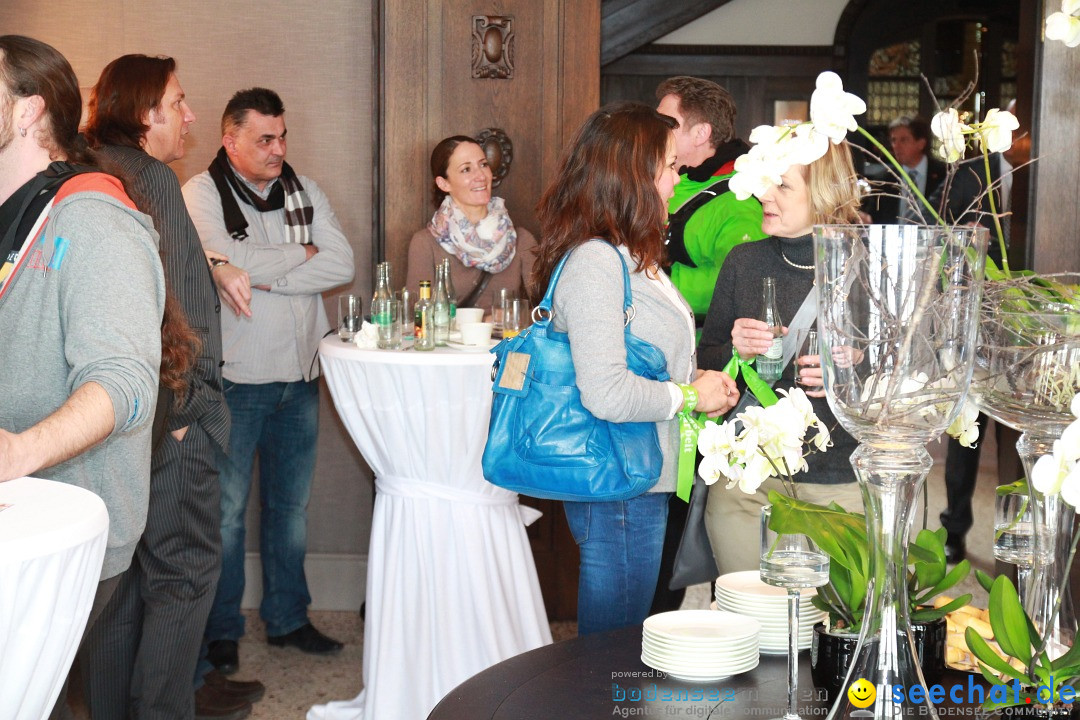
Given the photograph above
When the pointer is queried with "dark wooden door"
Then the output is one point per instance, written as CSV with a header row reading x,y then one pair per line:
x,y
538,63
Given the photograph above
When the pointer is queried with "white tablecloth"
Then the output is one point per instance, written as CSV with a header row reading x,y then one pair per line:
x,y
52,545
451,584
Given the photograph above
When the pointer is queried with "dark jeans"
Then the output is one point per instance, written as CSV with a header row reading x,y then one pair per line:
x,y
280,422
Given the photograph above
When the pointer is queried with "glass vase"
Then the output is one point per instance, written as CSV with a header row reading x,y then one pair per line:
x,y
897,317
1027,369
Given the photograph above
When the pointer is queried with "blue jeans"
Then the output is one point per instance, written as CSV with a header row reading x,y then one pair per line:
x,y
620,544
279,421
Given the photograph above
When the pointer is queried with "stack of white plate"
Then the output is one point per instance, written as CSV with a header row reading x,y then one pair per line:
x,y
745,593
700,645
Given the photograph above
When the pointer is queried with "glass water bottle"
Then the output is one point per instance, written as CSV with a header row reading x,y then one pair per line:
x,y
770,364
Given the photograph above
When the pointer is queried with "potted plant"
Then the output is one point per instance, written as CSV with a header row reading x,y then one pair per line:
x,y
1041,677
842,535
1033,681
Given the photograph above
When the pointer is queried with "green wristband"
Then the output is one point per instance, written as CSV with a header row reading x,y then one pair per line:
x,y
690,398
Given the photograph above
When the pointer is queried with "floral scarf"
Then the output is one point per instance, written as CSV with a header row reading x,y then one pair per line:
x,y
488,245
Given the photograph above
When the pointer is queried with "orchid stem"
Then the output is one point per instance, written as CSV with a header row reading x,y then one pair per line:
x,y
994,214
1045,637
903,173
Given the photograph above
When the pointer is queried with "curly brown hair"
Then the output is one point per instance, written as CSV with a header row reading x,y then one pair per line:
x,y
179,348
605,187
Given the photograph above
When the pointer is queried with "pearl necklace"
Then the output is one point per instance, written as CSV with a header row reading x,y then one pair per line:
x,y
793,264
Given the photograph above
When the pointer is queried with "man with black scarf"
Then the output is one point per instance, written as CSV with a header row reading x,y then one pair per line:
x,y
705,222
253,211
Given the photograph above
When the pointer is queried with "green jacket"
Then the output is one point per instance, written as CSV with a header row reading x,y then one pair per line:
x,y
710,233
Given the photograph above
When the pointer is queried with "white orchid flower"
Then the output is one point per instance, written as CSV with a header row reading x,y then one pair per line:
x,y
1059,472
757,471
754,174
1074,406
713,467
965,427
716,439
950,131
996,129
832,110
823,439
1046,475
1064,25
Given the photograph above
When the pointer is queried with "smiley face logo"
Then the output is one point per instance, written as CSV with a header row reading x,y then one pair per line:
x,y
862,693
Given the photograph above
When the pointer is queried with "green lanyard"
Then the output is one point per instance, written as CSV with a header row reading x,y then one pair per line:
x,y
690,424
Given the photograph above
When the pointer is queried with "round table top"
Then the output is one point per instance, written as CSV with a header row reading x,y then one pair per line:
x,y
333,347
43,517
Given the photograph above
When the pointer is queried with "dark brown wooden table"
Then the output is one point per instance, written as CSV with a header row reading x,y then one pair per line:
x,y
602,676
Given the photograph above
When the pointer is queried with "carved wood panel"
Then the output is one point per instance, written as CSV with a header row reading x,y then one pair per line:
x,y
551,54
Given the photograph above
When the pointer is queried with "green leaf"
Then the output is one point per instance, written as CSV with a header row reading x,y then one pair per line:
x,y
1071,658
931,614
1008,620
981,650
954,576
984,579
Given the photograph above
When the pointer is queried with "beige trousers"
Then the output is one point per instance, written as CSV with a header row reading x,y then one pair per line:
x,y
733,518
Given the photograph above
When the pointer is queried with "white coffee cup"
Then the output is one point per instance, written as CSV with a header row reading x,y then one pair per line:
x,y
475,333
469,315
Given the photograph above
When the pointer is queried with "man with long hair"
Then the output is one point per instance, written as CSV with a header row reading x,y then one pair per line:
x,y
81,300
141,657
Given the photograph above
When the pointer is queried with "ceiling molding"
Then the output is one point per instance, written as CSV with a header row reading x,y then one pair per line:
x,y
627,25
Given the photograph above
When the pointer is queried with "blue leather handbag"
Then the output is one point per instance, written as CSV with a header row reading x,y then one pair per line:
x,y
542,442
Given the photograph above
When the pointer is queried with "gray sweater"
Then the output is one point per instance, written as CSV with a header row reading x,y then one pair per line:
x,y
588,306
94,318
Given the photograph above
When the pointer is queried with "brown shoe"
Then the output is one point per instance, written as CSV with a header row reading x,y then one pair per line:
x,y
212,704
250,690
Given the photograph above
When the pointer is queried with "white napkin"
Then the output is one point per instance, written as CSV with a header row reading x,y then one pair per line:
x,y
368,337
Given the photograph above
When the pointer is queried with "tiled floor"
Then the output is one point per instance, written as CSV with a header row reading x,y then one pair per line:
x,y
295,681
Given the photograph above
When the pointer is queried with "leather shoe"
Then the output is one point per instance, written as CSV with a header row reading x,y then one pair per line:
x,y
223,655
307,639
211,704
248,690
954,549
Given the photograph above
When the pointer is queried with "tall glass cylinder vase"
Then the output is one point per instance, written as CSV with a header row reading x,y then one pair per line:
x,y
1027,370
897,315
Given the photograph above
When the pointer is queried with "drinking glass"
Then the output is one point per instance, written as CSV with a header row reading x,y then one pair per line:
x,y
350,316
807,345
792,562
408,326
498,308
516,317
388,319
1014,535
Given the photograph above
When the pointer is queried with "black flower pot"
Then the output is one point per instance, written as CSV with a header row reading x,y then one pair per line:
x,y
830,656
832,653
929,640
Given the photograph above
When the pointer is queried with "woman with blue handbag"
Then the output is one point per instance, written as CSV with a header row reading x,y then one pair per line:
x,y
605,211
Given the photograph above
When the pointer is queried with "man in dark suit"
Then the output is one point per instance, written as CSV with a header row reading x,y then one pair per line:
x,y
140,660
909,138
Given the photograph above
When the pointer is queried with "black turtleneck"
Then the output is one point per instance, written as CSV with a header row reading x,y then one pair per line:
x,y
738,295
725,153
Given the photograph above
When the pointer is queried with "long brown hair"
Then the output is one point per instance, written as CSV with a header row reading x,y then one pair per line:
x,y
128,89
30,67
605,187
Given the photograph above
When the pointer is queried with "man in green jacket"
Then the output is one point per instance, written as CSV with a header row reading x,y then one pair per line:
x,y
705,220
